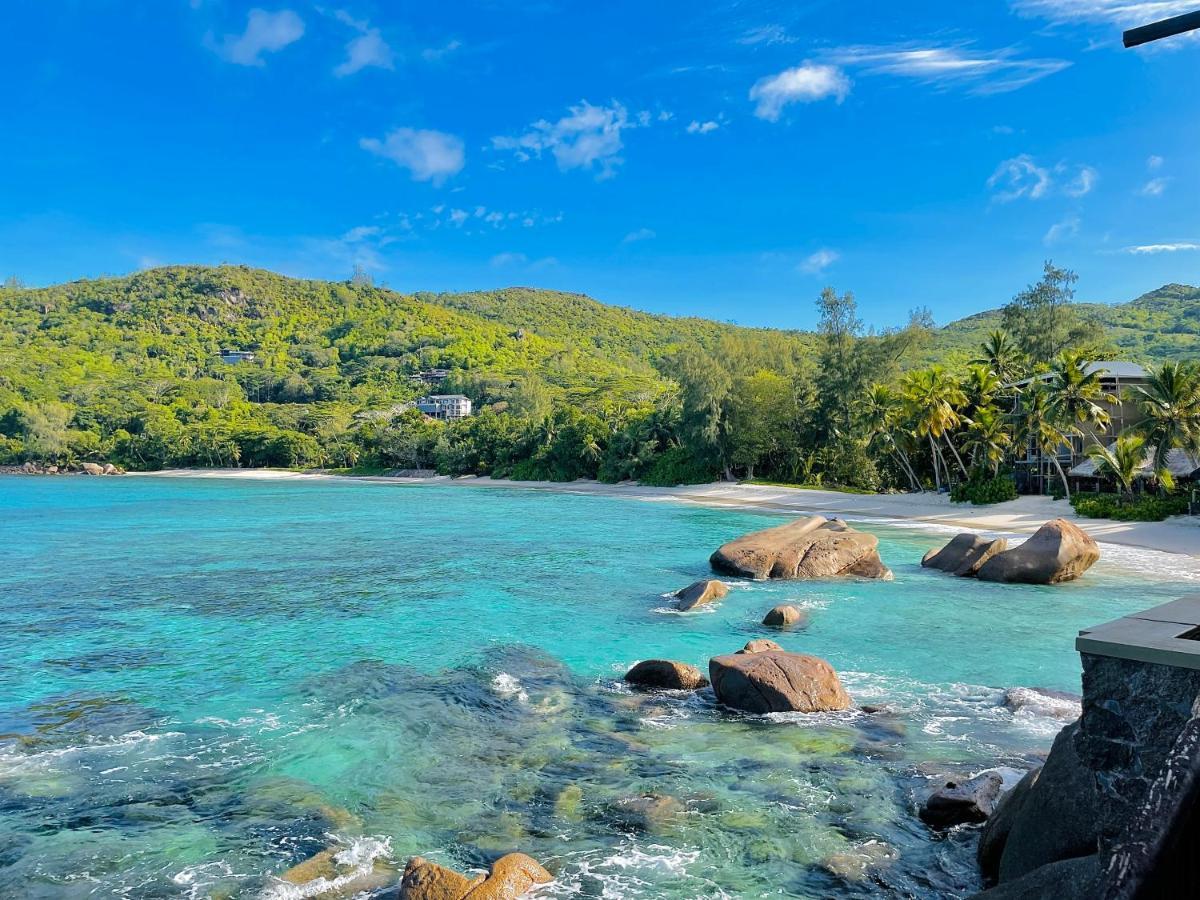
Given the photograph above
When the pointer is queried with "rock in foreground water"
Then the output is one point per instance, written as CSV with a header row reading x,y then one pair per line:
x,y
665,674
760,645
699,593
813,547
785,616
964,555
1057,552
960,803
511,876
776,681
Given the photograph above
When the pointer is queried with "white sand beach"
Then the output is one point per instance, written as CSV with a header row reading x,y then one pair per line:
x,y
1180,535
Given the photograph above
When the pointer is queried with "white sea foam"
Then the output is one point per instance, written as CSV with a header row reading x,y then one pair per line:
x,y
632,870
358,859
509,687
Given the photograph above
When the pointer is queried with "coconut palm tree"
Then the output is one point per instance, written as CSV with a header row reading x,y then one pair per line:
x,y
1001,355
932,398
1077,395
1122,462
981,387
1170,407
988,439
1041,422
878,413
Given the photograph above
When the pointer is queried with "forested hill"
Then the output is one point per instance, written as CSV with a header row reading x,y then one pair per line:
x,y
1160,325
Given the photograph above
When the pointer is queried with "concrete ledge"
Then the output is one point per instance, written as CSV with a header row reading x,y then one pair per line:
x,y
1151,636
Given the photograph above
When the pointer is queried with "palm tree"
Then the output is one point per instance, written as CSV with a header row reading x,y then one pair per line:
x,y
988,439
1001,355
877,413
981,387
1041,422
933,398
1076,394
1170,407
1122,462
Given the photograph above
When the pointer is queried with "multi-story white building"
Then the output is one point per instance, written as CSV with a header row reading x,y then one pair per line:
x,y
445,406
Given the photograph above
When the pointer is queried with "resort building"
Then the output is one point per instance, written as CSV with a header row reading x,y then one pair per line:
x,y
236,356
431,376
1035,472
445,406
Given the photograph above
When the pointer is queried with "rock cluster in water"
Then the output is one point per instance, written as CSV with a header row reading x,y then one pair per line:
x,y
813,547
511,876
1058,551
87,468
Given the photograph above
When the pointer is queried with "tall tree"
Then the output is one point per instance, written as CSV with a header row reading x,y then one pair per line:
x,y
1000,354
933,399
1170,407
841,376
1041,317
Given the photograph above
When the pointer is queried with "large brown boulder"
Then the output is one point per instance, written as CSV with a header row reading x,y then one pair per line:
x,y
665,674
776,681
965,554
511,876
699,593
91,468
1058,551
760,645
961,802
785,616
814,547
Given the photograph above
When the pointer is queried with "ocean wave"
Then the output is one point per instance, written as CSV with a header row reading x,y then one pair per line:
x,y
631,870
508,687
358,859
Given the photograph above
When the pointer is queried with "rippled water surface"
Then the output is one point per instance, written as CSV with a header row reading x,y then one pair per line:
x,y
204,683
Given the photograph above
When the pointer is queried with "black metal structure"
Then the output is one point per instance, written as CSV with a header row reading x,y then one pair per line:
x,y
1156,31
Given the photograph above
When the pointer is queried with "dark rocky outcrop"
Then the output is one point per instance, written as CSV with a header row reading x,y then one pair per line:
x,y
813,547
699,593
1058,817
776,681
511,876
1069,879
760,645
785,616
960,803
964,555
999,824
1056,552
665,674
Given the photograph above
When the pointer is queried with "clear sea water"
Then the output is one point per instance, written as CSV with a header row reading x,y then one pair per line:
x,y
206,682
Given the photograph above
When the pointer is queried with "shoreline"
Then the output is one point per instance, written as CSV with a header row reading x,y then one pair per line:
x,y
1179,536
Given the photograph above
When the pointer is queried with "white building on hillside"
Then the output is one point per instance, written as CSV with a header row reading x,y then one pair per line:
x,y
445,406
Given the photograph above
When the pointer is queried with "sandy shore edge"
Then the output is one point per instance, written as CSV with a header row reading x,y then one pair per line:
x,y
1179,535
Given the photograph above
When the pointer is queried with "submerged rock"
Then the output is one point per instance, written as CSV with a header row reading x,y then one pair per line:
x,y
1057,552
511,876
666,674
760,645
960,803
785,616
649,812
964,555
337,873
776,681
813,547
858,863
699,593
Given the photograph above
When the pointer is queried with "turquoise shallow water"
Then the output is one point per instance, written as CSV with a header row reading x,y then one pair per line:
x,y
205,682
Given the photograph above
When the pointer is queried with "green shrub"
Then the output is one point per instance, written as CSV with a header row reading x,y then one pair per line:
x,y
1143,508
677,466
981,490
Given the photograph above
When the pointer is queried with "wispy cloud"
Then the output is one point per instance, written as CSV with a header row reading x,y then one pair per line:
x,y
1150,249
816,263
698,127
435,54
642,234
1154,163
265,32
368,49
1022,177
588,137
1121,12
1155,187
429,155
766,34
980,71
1061,231
806,83
502,260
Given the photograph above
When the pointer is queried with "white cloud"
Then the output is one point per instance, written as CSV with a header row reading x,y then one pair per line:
x,y
589,137
806,83
642,234
697,127
766,34
1019,177
816,263
984,72
1060,231
1083,182
1155,187
434,54
1154,163
361,233
429,155
266,32
509,259
1149,249
1121,12
367,50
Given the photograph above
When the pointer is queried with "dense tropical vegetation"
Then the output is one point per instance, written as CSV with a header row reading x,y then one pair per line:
x,y
128,370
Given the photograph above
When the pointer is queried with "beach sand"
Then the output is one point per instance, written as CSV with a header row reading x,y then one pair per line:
x,y
1024,515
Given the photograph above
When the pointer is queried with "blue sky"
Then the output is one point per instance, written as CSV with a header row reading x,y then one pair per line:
x,y
719,159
